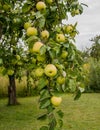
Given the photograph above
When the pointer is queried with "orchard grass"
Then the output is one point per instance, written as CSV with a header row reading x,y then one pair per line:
x,y
83,114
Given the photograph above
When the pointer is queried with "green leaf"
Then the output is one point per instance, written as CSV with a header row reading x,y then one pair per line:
x,y
43,50
44,104
26,8
53,124
60,123
78,94
60,114
44,96
42,117
44,128
42,83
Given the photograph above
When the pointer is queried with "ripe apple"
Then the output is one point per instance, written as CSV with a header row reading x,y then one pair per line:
x,y
27,25
56,101
49,1
61,80
60,38
69,29
37,46
64,54
39,72
41,58
31,31
50,70
45,34
40,5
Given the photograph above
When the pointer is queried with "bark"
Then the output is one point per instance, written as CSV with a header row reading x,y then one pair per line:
x,y
12,100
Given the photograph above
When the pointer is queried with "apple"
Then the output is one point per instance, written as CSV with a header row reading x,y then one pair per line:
x,y
64,54
18,57
56,101
61,80
33,60
39,72
77,11
45,34
10,72
40,5
69,29
49,1
27,25
50,70
41,58
60,38
31,31
37,46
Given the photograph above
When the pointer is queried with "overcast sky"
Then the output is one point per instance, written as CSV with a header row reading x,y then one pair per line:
x,y
88,23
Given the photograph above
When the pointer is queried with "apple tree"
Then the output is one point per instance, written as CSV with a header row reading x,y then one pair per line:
x,y
56,60
34,35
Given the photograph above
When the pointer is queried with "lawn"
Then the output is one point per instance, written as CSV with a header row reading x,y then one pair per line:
x,y
83,114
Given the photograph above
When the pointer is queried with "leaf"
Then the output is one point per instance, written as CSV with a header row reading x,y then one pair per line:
x,y
60,114
42,117
45,103
43,50
42,83
60,123
44,96
53,124
26,8
44,128
78,94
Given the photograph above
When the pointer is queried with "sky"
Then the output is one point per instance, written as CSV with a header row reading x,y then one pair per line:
x,y
88,23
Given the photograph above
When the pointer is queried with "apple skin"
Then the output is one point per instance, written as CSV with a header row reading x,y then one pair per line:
x,y
40,5
60,38
45,34
69,29
49,1
56,101
41,58
61,80
31,31
39,72
50,70
37,46
64,54
27,25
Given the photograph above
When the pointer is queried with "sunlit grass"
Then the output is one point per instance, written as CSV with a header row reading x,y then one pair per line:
x,y
83,114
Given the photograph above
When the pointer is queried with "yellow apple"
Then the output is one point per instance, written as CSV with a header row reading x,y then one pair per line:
x,y
39,72
77,12
40,5
45,34
50,70
60,38
31,31
56,101
41,58
61,80
37,46
64,54
69,29
27,25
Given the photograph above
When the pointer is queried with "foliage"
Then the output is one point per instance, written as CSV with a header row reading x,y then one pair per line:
x,y
95,76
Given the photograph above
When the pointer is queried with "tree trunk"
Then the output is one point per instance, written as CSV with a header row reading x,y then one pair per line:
x,y
12,100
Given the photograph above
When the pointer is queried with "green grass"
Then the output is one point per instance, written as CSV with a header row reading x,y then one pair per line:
x,y
83,114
